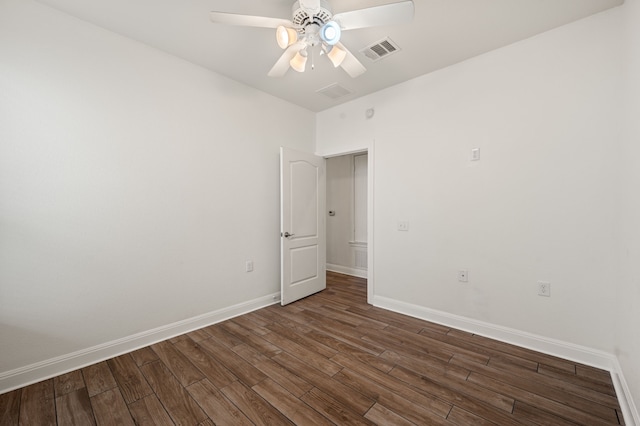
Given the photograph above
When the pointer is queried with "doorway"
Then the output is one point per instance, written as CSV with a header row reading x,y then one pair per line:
x,y
364,240
365,148
347,214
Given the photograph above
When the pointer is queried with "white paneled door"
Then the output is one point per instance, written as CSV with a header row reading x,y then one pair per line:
x,y
302,224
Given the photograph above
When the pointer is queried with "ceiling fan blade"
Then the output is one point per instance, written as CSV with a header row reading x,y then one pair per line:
x,y
248,20
387,14
282,64
350,64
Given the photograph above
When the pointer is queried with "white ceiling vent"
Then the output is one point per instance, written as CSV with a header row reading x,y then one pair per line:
x,y
380,49
334,91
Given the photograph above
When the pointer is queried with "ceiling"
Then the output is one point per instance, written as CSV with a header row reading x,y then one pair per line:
x,y
442,33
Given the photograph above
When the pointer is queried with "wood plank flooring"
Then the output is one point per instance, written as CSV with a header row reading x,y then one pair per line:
x,y
327,359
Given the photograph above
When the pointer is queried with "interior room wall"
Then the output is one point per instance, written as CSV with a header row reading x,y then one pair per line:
x,y
541,204
132,190
627,342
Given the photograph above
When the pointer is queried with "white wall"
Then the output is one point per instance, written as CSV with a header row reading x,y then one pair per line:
x,y
132,189
541,204
627,342
360,190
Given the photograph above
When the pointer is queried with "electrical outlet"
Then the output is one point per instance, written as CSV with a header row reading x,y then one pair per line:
x,y
248,266
475,154
403,225
463,275
544,288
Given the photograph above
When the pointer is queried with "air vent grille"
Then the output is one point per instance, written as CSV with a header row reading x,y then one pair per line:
x,y
334,91
380,49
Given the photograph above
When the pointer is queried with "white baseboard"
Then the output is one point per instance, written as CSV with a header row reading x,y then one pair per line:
x,y
43,370
566,350
628,406
360,273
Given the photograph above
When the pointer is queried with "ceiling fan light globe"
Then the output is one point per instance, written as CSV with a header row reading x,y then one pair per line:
x,y
285,36
299,62
330,33
336,55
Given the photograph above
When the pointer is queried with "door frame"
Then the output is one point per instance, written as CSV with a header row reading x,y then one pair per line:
x,y
369,149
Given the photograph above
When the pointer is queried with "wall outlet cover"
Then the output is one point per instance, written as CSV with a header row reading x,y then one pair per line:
x,y
475,154
544,288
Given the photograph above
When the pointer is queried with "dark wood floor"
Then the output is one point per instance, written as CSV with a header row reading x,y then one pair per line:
x,y
327,359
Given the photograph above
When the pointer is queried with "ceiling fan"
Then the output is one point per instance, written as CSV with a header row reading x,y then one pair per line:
x,y
313,24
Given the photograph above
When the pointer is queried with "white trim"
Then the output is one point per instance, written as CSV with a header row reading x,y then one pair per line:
x,y
360,244
354,151
46,369
566,350
627,405
546,345
370,221
360,273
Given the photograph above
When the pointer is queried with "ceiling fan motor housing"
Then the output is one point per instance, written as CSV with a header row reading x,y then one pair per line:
x,y
302,17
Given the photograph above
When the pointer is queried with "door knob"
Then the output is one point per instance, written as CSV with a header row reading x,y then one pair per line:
x,y
288,235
